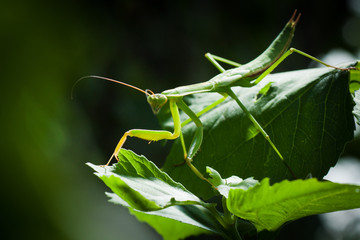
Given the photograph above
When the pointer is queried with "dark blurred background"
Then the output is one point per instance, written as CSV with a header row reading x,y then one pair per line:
x,y
47,190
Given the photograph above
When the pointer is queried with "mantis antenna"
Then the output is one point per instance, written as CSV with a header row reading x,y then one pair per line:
x,y
110,80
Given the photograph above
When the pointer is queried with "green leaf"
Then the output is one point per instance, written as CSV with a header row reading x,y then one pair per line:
x,y
355,78
264,90
171,229
307,113
142,185
356,110
268,207
176,222
233,182
152,196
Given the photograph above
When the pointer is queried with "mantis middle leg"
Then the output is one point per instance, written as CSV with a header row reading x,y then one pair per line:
x,y
212,59
196,141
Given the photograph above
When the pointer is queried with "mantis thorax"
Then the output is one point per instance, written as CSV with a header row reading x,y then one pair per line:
x,y
156,101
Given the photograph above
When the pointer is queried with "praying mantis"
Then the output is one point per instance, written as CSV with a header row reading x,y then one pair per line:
x,y
246,75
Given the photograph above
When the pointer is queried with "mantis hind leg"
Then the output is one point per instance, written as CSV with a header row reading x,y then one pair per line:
x,y
253,120
288,53
260,129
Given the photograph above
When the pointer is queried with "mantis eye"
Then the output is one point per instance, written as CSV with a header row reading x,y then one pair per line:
x,y
156,102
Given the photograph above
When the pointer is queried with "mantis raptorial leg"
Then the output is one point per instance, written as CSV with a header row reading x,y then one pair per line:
x,y
152,135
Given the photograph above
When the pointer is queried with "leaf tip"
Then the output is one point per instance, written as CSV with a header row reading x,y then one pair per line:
x,y
99,169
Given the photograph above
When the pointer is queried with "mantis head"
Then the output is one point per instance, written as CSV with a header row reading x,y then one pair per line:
x,y
156,101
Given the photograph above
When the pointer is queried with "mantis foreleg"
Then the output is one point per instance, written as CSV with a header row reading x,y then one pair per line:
x,y
152,135
155,135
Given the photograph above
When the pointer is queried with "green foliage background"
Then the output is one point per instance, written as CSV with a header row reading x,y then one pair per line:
x,y
48,192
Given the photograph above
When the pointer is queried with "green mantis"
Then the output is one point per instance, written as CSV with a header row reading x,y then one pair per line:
x,y
246,75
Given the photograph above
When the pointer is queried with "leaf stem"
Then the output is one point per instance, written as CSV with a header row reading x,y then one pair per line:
x,y
228,216
234,232
218,217
231,226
